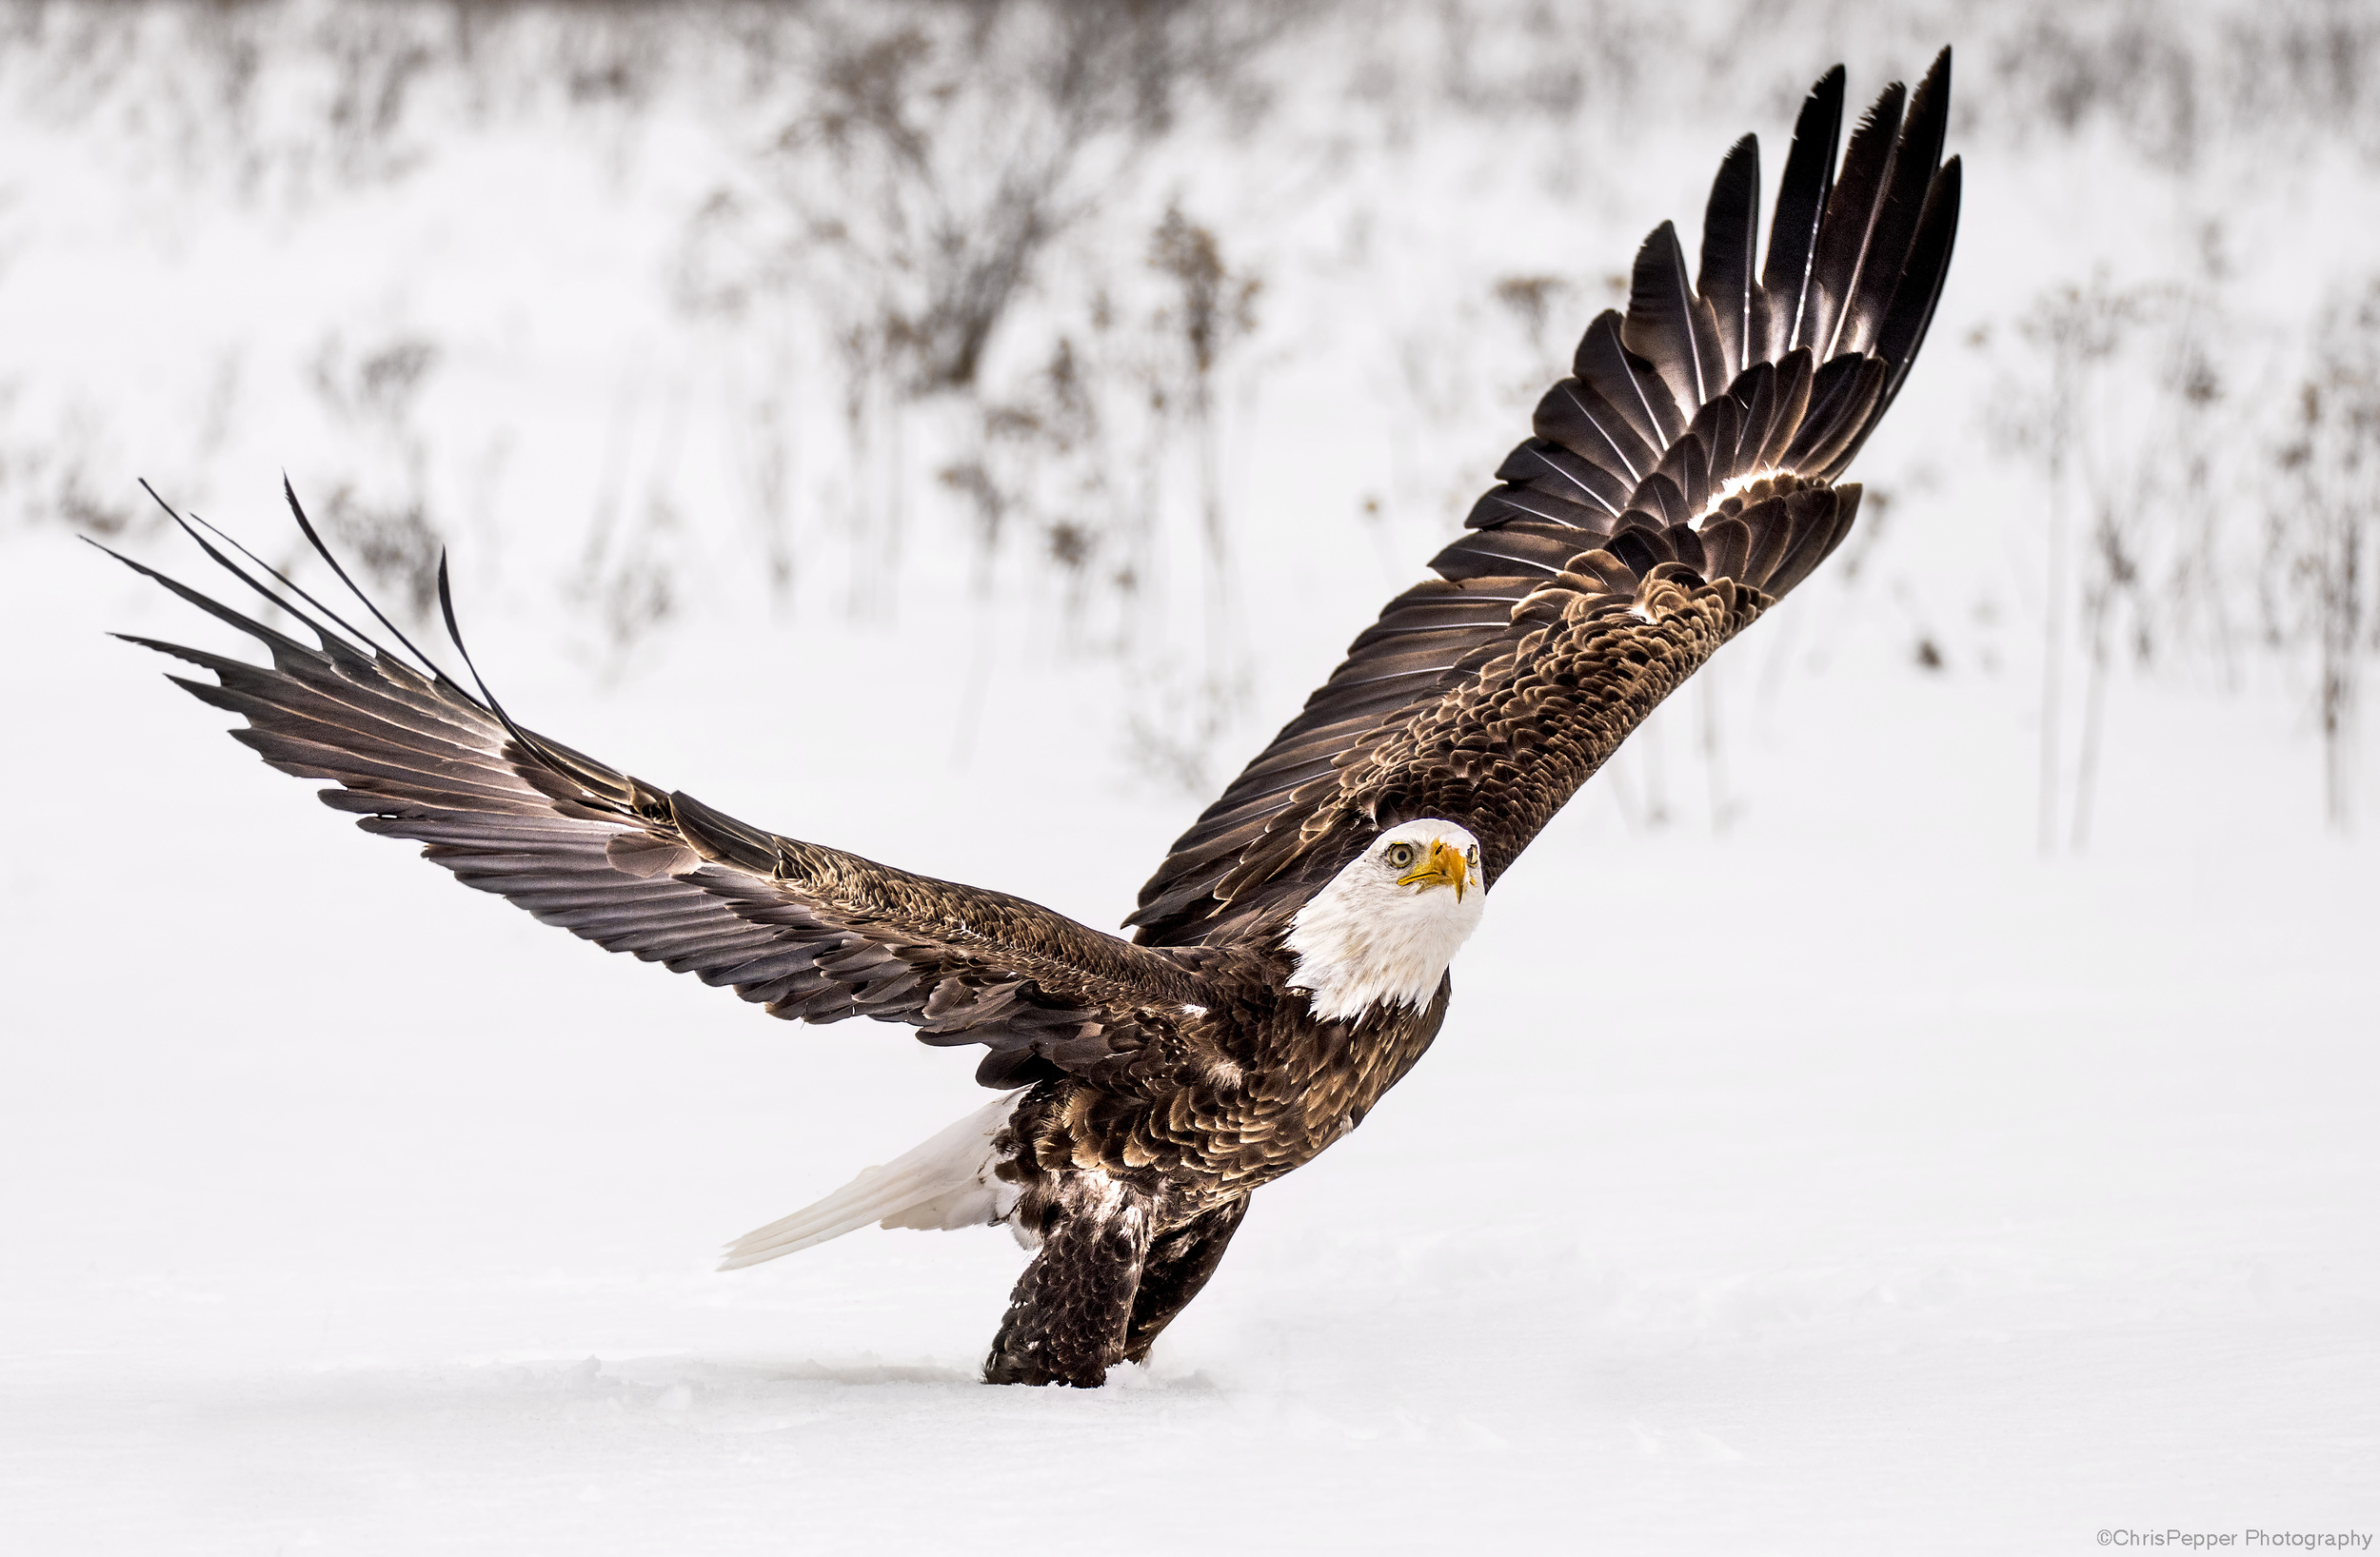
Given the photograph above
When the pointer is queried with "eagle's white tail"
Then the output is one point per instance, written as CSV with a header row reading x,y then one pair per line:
x,y
945,1182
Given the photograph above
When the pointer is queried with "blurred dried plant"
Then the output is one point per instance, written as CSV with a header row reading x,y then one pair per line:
x,y
2322,551
380,515
2115,410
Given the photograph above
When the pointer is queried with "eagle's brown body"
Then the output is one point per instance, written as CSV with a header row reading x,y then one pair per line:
x,y
1268,1087
1678,486
1174,1172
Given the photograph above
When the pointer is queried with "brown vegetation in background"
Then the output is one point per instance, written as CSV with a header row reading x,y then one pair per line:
x,y
2321,573
898,240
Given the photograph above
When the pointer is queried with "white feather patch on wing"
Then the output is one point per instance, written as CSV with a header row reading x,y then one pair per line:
x,y
943,1182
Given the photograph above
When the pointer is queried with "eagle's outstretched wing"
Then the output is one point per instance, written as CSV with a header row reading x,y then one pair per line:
x,y
1678,485
812,933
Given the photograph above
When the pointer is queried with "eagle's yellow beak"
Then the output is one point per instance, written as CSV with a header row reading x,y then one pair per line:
x,y
1442,866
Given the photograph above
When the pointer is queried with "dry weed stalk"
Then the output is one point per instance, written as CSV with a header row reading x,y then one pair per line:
x,y
2323,532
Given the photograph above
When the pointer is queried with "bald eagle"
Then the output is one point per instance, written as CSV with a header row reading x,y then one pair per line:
x,y
1288,961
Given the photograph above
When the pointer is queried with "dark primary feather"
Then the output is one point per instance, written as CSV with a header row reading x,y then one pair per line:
x,y
1910,174
1801,196
1663,315
1850,215
1603,569
811,933
1730,234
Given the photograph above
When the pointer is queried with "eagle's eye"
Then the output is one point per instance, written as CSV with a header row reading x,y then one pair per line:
x,y
1473,858
1401,854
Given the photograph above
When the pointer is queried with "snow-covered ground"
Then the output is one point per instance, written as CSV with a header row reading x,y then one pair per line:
x,y
1857,1183
1842,1178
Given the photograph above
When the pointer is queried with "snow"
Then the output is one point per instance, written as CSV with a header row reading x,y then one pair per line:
x,y
1862,1182
1844,1179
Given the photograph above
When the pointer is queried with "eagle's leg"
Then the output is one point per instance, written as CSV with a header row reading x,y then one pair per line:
x,y
1179,1263
1065,1321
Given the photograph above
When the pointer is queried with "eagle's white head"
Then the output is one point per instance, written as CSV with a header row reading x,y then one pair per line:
x,y
1385,928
